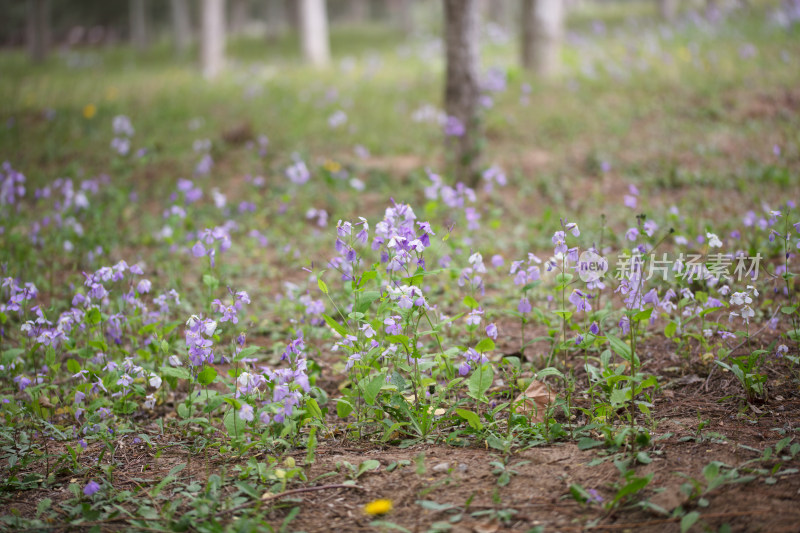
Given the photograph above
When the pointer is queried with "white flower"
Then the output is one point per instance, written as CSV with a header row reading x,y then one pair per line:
x,y
155,381
713,240
149,402
740,298
243,380
175,361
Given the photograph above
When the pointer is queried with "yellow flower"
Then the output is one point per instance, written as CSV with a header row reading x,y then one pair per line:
x,y
332,166
89,111
378,507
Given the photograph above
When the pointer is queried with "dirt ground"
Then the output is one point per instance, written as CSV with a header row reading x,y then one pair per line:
x,y
439,487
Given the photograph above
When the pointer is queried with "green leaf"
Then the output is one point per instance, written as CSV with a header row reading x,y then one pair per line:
x,y
206,377
210,281
434,506
634,486
549,371
670,330
471,417
480,381
43,505
367,276
93,316
73,366
338,328
485,345
586,443
246,352
620,347
689,520
563,278
343,408
183,410
579,494
643,315
398,339
313,408
620,396
368,465
365,299
175,372
470,302
322,286
233,423
233,402
372,388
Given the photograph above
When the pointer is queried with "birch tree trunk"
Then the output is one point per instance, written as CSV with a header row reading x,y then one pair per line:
x,y
38,29
212,45
314,32
138,22
542,32
463,131
181,25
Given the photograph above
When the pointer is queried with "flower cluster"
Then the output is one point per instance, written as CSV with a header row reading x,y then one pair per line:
x,y
207,239
230,313
199,334
123,131
404,239
12,185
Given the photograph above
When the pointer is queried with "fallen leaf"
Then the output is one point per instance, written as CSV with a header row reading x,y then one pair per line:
x,y
535,400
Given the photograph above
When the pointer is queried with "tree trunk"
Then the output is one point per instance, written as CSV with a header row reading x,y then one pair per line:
x,y
463,140
239,15
181,25
359,10
314,32
212,45
138,23
668,8
275,18
293,13
542,31
38,29
499,12
402,12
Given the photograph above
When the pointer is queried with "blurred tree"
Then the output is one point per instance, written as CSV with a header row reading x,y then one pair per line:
x,y
38,33
498,12
212,41
138,22
275,18
240,11
463,129
358,10
668,8
181,25
293,13
402,13
542,31
314,32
